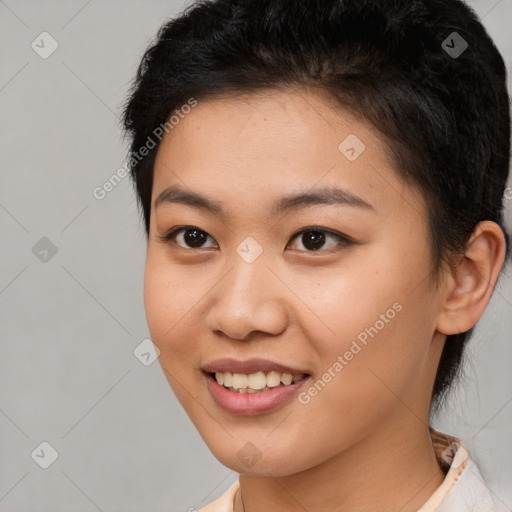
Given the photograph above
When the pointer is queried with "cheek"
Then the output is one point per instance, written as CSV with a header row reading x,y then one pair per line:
x,y
367,368
378,319
166,306
166,303
156,300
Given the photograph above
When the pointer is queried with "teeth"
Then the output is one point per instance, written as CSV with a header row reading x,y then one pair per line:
x,y
228,379
286,378
239,380
273,379
255,382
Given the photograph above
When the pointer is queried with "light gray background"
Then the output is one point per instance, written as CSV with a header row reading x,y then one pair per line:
x,y
70,325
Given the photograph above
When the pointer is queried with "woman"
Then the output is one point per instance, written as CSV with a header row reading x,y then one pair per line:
x,y
321,184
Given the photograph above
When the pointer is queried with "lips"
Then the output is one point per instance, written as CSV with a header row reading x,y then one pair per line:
x,y
250,366
242,404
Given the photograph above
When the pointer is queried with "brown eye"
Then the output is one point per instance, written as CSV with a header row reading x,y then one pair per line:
x,y
188,237
314,239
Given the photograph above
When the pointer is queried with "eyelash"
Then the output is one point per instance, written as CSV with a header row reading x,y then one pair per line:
x,y
168,237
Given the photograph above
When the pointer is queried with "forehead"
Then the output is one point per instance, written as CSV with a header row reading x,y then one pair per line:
x,y
250,150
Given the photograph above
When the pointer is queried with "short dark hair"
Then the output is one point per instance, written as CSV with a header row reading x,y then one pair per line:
x,y
442,107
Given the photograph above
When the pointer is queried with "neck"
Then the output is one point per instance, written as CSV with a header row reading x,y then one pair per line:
x,y
383,471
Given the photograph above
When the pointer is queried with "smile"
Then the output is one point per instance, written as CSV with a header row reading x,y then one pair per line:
x,y
249,401
256,382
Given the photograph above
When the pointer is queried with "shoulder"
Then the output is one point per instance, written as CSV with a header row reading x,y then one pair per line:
x,y
470,494
464,489
223,503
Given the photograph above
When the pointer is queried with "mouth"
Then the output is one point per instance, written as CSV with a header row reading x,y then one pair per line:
x,y
252,387
258,382
253,375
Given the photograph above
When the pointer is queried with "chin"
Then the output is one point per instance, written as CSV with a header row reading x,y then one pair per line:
x,y
248,459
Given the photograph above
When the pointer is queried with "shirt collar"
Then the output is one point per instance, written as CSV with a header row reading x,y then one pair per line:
x,y
463,488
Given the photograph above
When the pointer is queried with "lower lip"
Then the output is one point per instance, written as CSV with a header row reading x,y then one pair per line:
x,y
252,403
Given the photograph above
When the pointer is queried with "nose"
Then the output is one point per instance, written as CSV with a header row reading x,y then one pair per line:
x,y
249,301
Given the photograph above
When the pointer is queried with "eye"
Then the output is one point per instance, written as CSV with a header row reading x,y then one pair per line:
x,y
191,237
314,239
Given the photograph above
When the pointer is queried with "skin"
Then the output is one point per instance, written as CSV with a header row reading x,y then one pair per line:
x,y
362,443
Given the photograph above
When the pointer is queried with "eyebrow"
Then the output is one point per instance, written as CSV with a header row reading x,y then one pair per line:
x,y
319,196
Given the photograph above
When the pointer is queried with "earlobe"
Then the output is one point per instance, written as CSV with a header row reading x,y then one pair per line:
x,y
472,279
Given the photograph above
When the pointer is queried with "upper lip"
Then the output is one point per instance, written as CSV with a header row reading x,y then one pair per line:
x,y
249,366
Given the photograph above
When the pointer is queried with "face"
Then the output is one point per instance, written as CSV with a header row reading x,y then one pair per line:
x,y
305,254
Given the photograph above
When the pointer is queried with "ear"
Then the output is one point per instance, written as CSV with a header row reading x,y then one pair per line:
x,y
471,280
